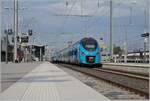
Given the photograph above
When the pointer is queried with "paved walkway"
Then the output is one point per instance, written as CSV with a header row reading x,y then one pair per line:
x,y
49,83
12,72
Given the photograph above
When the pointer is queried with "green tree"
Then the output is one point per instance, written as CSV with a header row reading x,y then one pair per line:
x,y
117,50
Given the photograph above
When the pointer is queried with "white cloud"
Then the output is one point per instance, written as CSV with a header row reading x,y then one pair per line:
x,y
44,12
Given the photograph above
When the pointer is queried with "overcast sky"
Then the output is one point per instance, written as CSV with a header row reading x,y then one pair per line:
x,y
55,24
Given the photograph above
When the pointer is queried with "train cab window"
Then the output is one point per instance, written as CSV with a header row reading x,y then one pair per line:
x,y
89,44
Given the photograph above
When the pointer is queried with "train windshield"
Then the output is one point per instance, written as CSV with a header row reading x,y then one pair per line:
x,y
89,44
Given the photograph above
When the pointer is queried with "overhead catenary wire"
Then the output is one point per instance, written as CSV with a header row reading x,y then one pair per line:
x,y
90,26
67,15
82,12
102,14
128,38
93,14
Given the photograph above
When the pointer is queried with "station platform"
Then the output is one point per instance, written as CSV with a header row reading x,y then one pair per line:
x,y
49,83
129,64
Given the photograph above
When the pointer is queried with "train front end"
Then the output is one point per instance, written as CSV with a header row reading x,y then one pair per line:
x,y
89,52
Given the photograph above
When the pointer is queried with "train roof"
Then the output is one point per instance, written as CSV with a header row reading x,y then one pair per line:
x,y
83,39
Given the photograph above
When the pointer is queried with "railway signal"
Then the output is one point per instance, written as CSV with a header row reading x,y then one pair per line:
x,y
30,32
10,32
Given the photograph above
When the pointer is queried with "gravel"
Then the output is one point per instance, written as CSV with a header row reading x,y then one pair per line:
x,y
107,89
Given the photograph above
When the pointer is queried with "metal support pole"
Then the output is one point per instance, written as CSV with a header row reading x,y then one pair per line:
x,y
6,56
26,55
145,41
81,8
148,9
146,13
125,52
111,44
0,52
15,28
40,53
146,36
125,47
14,32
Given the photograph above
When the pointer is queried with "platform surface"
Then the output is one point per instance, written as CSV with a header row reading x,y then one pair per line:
x,y
129,64
49,83
12,72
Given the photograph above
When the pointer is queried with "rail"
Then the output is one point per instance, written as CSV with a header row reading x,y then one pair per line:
x,y
133,82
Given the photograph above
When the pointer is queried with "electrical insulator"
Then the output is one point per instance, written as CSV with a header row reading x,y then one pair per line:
x,y
66,3
98,4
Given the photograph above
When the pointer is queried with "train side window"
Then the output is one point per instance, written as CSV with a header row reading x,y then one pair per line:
x,y
69,53
75,52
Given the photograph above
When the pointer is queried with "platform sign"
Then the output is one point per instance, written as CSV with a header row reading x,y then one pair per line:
x,y
145,35
24,44
24,39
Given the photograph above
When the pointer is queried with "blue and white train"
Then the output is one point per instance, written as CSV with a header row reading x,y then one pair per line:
x,y
84,52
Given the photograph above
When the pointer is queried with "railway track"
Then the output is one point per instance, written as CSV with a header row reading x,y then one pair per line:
x,y
131,81
137,70
125,73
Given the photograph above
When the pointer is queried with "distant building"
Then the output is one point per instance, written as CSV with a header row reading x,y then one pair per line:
x,y
134,57
34,52
37,49
104,51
